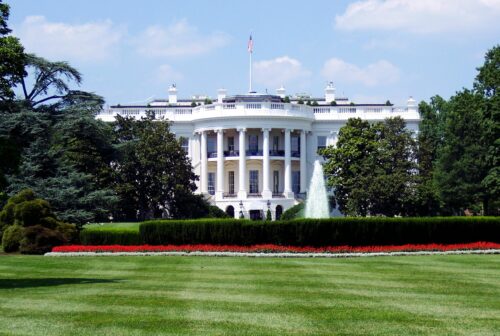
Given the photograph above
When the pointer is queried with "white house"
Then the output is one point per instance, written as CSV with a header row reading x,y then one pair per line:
x,y
255,152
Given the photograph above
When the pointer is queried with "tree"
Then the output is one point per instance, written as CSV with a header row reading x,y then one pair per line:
x,y
430,139
51,81
372,169
12,58
349,166
393,183
152,169
486,84
460,166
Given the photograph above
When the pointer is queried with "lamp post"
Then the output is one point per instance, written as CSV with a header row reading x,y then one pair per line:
x,y
241,210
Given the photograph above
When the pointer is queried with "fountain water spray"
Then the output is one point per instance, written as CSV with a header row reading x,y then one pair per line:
x,y
317,198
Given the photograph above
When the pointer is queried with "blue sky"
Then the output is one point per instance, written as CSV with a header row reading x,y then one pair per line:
x,y
373,50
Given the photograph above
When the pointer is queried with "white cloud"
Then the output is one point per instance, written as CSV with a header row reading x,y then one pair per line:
x,y
380,72
178,39
421,16
278,71
167,74
92,41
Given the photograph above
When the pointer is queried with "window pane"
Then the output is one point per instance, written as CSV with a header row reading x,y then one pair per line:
x,y
253,144
230,143
254,181
231,182
296,182
211,183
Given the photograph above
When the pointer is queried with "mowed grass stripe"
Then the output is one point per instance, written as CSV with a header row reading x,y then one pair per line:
x,y
237,296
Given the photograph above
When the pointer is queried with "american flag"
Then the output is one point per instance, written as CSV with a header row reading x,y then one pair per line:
x,y
250,44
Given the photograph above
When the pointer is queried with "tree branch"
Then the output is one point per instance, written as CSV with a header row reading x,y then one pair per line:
x,y
45,99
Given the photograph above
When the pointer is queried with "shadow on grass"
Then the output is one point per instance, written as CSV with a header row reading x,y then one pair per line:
x,y
45,282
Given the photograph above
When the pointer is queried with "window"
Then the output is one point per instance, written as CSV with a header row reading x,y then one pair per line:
x,y
276,181
253,143
295,144
231,182
185,144
296,182
321,142
254,181
212,146
211,183
276,143
230,144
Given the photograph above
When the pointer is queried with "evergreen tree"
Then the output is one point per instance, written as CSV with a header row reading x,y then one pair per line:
x,y
152,169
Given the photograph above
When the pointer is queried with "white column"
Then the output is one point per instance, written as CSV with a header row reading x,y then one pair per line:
x,y
220,164
288,165
204,168
266,190
242,192
333,139
303,163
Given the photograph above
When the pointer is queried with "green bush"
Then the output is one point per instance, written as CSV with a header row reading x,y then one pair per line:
x,y
27,211
324,232
39,240
294,212
110,237
12,238
216,212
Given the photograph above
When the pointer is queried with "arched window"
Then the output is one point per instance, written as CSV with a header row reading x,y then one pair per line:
x,y
230,211
279,212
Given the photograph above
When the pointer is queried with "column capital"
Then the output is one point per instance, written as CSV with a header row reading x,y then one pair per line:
x,y
241,129
218,130
266,129
334,132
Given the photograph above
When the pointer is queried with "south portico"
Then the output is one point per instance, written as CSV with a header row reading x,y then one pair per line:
x,y
248,169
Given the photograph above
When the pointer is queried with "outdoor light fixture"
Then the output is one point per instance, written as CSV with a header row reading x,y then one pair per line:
x,y
268,204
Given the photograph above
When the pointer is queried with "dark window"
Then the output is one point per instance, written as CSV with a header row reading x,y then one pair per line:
x,y
230,211
279,212
296,182
321,142
253,143
254,181
185,144
231,182
230,144
276,181
211,183
212,146
276,143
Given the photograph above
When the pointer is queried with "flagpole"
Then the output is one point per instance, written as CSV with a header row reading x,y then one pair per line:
x,y
250,72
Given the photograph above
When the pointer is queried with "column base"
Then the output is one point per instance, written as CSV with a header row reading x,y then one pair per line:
x,y
242,194
219,195
267,194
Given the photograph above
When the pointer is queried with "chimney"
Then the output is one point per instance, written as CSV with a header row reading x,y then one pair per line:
x,y
411,102
221,94
329,93
281,92
172,94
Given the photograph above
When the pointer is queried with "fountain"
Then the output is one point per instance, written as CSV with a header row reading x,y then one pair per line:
x,y
317,199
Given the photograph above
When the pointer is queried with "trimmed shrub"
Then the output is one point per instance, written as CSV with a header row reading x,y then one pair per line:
x,y
216,212
39,240
294,212
12,238
323,232
110,237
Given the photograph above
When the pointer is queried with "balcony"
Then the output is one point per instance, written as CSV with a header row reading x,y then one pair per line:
x,y
231,153
211,155
277,152
296,154
254,195
253,152
278,195
229,195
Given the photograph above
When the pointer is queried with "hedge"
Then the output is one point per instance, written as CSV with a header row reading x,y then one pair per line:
x,y
110,237
323,232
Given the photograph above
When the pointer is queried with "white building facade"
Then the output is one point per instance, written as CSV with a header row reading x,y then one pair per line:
x,y
256,152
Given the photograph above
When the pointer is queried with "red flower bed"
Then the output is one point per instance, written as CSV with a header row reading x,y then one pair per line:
x,y
270,248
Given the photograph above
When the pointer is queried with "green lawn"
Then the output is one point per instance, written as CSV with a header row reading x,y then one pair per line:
x,y
431,295
113,226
